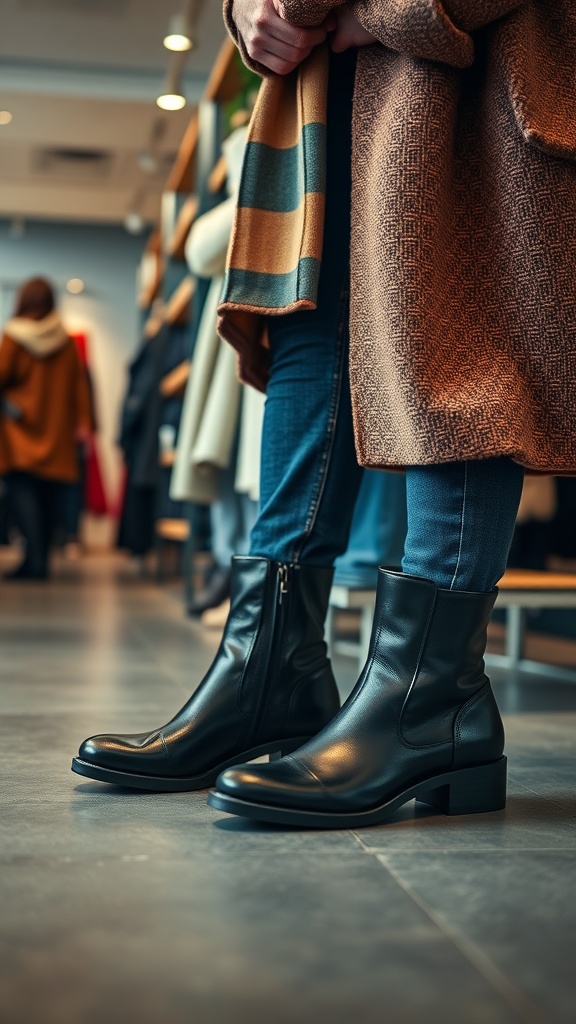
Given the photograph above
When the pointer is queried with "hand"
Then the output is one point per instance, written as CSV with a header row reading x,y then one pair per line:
x,y
348,31
271,40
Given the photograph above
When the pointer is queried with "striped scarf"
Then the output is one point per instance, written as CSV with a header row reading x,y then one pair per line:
x,y
275,249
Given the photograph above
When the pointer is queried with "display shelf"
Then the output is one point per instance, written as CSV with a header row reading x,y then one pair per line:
x,y
151,257
225,81
167,459
174,383
178,306
182,175
217,179
153,324
184,222
173,529
193,187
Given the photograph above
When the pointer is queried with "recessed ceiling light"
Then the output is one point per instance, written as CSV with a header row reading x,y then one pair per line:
x,y
134,222
171,101
178,43
179,36
6,117
172,97
75,286
147,162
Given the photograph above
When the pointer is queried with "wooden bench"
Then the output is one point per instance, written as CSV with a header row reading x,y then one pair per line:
x,y
519,591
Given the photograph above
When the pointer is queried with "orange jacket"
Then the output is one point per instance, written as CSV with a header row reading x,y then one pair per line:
x,y
44,400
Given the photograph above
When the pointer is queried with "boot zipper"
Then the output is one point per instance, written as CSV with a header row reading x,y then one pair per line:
x,y
283,582
274,650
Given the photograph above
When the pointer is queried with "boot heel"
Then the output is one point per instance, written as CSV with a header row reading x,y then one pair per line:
x,y
287,747
471,790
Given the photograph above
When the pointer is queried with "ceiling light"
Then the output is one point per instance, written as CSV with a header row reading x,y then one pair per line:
x,y
134,222
171,101
75,286
172,97
179,36
147,162
6,117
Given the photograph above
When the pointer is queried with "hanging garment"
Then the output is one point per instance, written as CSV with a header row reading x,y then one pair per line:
x,y
210,418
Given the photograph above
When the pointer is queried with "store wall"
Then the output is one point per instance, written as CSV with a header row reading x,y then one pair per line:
x,y
106,259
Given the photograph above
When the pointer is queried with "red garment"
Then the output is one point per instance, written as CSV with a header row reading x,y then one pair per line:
x,y
95,499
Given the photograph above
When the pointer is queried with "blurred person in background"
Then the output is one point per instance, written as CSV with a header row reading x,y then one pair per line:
x,y
45,410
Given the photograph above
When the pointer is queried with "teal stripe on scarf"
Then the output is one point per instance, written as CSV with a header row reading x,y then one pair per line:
x,y
276,179
273,291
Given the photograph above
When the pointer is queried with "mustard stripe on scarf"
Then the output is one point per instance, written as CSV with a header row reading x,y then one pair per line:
x,y
276,246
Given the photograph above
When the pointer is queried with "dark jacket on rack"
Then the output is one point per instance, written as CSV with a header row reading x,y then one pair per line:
x,y
463,250
145,409
141,412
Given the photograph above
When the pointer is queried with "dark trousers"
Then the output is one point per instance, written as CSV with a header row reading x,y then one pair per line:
x,y
33,508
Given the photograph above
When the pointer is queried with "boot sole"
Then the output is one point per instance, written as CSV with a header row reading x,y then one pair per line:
x,y
477,790
164,784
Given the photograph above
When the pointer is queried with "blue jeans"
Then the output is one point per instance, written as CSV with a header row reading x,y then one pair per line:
x,y
310,477
378,530
460,515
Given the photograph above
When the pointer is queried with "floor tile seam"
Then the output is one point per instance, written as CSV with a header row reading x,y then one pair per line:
x,y
514,998
171,674
542,796
380,851
27,860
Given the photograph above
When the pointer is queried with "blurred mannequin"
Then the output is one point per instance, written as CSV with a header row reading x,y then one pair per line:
x,y
45,410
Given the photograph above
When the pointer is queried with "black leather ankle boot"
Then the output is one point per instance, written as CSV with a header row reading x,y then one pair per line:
x,y
421,723
270,688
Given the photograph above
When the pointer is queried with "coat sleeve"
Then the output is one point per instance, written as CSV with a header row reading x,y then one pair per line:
x,y
7,354
436,30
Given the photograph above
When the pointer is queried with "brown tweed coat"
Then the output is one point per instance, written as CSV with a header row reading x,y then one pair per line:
x,y
463,251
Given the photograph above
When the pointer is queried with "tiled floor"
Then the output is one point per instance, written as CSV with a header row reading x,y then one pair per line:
x,y
155,909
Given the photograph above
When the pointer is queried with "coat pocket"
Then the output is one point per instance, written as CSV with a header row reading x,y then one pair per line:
x,y
537,48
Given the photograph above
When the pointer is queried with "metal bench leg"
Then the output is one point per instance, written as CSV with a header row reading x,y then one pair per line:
x,y
515,626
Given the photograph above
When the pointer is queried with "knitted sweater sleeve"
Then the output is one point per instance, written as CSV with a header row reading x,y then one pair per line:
x,y
438,30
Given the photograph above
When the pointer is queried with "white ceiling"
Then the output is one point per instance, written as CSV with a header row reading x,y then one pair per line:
x,y
82,75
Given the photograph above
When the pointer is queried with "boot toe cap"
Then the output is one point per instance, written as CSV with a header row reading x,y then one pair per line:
x,y
123,753
284,783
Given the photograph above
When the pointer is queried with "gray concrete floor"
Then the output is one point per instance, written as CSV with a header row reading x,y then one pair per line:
x,y
154,908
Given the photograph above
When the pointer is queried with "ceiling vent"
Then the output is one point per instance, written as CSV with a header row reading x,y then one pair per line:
x,y
73,164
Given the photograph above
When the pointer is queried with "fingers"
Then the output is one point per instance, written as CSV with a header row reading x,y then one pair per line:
x,y
276,44
271,24
276,64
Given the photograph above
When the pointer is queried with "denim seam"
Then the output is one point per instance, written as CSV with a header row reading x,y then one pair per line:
x,y
318,492
462,521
